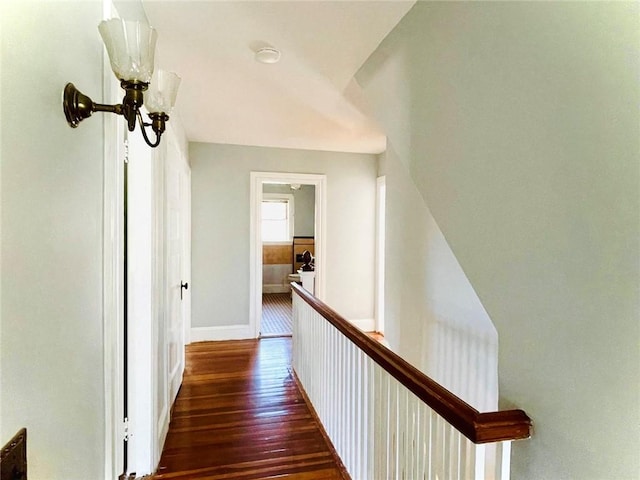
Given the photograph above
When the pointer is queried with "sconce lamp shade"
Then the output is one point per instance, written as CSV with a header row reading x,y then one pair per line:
x,y
131,48
161,95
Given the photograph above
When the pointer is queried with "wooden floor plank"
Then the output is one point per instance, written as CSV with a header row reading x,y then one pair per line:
x,y
240,416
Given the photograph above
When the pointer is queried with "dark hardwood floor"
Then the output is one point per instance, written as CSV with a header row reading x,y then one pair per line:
x,y
240,415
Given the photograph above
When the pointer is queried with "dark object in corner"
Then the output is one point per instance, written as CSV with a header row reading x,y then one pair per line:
x,y
13,458
308,261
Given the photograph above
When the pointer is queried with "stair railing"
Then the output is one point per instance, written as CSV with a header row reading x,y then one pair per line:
x,y
385,418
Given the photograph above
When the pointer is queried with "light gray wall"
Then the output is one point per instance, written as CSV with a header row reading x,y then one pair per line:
x,y
518,124
51,314
304,202
428,296
220,227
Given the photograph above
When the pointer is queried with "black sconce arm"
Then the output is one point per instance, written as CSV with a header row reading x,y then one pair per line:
x,y
157,125
78,106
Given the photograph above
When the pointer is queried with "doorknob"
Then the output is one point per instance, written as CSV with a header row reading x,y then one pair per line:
x,y
183,286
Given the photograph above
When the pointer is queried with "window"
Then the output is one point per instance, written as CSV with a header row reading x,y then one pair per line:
x,y
277,218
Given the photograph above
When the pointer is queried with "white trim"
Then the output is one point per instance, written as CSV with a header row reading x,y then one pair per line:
x,y
142,305
112,271
364,324
113,300
225,332
381,196
162,429
257,179
158,309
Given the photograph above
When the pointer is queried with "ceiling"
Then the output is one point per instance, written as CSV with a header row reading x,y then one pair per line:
x,y
308,100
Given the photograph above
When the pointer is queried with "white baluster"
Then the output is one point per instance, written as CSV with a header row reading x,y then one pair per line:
x,y
467,459
480,462
379,428
355,432
367,410
403,430
370,402
348,406
503,460
382,422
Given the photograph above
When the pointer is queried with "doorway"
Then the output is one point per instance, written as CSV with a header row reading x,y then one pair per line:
x,y
287,210
288,230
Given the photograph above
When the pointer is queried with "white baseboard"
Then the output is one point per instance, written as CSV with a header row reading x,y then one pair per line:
x,y
365,324
162,428
226,332
276,288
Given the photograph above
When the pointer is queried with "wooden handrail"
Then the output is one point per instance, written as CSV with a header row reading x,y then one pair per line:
x,y
477,427
13,457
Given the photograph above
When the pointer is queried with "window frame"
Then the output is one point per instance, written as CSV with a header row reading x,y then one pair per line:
x,y
287,198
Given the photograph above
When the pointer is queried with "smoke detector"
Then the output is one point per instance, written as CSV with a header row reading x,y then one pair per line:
x,y
268,55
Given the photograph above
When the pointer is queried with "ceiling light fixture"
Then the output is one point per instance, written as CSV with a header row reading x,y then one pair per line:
x,y
131,48
268,55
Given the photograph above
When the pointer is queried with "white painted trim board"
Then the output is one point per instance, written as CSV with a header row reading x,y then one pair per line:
x,y
224,332
364,324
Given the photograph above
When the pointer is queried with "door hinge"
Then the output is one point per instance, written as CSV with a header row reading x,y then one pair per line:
x,y
125,433
126,151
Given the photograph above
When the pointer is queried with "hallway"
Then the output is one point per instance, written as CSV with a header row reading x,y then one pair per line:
x,y
240,415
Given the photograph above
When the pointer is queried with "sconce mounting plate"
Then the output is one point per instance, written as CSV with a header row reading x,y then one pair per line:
x,y
77,106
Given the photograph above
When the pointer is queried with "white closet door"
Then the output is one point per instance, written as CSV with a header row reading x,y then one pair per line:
x,y
177,244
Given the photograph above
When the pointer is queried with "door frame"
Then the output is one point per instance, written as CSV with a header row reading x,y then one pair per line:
x,y
113,294
257,179
113,270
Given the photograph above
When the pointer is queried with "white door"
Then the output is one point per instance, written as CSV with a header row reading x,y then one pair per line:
x,y
177,245
158,204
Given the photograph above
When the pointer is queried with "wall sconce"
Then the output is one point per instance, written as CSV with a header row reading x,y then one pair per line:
x,y
131,48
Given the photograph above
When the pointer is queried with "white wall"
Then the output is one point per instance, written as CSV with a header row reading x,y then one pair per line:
x,y
52,180
518,124
430,307
220,227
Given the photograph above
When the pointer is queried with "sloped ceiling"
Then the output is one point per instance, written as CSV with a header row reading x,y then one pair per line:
x,y
308,100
